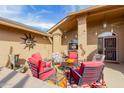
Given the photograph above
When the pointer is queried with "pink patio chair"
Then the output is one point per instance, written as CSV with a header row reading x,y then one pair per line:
x,y
38,57
89,72
39,70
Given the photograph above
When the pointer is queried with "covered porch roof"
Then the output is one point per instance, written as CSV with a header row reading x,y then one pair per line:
x,y
12,24
94,13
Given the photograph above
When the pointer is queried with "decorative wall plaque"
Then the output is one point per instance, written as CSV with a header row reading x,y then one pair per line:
x,y
29,41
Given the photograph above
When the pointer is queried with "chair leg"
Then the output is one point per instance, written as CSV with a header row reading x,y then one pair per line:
x,y
79,82
102,77
70,78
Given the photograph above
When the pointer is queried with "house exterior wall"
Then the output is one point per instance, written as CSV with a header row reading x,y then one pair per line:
x,y
57,36
86,31
69,35
95,28
11,37
120,37
82,38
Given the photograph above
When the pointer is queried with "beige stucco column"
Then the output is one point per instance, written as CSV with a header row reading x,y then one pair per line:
x,y
82,38
57,37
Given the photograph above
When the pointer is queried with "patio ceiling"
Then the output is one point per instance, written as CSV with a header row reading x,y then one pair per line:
x,y
106,15
94,16
69,25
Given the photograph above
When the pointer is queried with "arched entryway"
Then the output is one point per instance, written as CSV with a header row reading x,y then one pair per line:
x,y
108,45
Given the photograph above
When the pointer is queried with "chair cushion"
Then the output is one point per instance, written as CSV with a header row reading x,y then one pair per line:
x,y
43,63
48,64
89,64
46,75
70,61
92,63
36,62
44,69
37,56
72,55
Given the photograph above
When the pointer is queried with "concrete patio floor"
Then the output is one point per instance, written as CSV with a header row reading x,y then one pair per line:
x,y
114,75
13,79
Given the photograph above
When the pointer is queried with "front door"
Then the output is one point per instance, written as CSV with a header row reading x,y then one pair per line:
x,y
108,47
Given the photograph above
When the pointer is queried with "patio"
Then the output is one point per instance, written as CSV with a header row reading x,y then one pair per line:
x,y
113,75
13,79
77,33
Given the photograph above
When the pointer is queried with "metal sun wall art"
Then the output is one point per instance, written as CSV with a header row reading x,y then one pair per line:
x,y
29,41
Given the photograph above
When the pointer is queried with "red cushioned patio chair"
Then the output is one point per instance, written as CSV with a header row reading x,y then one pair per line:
x,y
89,72
38,57
39,70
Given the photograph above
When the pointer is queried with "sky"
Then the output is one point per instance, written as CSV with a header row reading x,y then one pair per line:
x,y
41,17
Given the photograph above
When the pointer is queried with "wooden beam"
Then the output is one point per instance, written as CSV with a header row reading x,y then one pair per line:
x,y
88,10
50,40
104,12
57,25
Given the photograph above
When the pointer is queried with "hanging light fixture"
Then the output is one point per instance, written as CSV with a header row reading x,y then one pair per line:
x,y
112,29
104,23
76,36
96,33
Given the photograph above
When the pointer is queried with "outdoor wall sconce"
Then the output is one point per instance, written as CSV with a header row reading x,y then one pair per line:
x,y
96,33
104,22
29,41
76,36
104,25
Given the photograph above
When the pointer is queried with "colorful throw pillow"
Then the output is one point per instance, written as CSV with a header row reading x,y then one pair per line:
x,y
70,61
63,83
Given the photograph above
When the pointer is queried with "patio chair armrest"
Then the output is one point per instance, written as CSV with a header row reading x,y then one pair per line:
x,y
74,75
75,72
49,77
45,71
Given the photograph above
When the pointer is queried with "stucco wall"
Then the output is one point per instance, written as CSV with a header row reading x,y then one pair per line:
x,y
95,28
67,37
57,40
120,33
10,37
